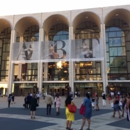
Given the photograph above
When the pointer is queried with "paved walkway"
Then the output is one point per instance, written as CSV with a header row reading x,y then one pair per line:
x,y
18,118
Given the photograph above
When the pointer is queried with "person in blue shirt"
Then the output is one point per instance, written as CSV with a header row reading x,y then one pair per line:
x,y
88,112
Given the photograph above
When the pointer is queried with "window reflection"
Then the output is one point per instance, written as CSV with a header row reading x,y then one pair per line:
x,y
116,41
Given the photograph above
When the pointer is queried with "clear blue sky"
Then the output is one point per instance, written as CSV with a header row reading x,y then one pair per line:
x,y
12,7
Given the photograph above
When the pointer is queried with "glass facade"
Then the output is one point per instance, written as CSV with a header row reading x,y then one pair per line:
x,y
4,54
117,51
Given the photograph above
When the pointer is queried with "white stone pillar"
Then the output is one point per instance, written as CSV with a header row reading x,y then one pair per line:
x,y
11,66
46,63
40,70
104,62
71,64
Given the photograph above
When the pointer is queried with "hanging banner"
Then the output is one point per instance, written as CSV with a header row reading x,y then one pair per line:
x,y
53,50
25,51
86,49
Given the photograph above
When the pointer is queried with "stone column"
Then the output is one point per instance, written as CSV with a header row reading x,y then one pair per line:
x,y
104,62
71,64
11,66
40,70
46,63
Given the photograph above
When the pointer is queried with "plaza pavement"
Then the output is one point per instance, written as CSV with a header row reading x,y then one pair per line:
x,y
17,118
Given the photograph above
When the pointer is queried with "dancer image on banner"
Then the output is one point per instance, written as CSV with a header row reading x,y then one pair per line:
x,y
86,52
27,52
53,54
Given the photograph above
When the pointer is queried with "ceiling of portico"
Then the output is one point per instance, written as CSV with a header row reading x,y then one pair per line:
x,y
53,20
4,24
24,23
122,14
86,16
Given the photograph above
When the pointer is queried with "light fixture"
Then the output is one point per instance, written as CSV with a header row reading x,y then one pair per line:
x,y
59,64
116,15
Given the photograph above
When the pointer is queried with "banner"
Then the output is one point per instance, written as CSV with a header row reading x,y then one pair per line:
x,y
86,48
25,51
52,50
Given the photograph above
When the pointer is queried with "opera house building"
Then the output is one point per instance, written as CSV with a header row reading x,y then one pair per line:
x,y
87,50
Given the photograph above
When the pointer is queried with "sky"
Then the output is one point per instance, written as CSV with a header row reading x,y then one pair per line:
x,y
15,7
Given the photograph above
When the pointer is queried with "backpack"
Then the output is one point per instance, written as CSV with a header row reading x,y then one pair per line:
x,y
82,109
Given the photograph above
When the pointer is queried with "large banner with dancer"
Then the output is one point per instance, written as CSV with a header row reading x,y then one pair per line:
x,y
25,51
55,50
86,48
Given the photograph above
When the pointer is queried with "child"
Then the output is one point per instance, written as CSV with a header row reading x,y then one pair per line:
x,y
93,103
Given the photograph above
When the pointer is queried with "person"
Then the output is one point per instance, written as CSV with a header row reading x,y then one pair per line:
x,y
116,107
88,112
124,100
29,97
38,97
97,102
53,54
69,115
13,98
58,103
33,105
103,99
128,106
49,102
9,100
109,98
93,102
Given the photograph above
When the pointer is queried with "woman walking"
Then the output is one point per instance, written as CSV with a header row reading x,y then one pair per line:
x,y
97,102
116,107
58,103
69,115
33,105
88,112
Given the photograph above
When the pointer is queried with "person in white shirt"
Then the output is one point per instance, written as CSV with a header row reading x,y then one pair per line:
x,y
38,97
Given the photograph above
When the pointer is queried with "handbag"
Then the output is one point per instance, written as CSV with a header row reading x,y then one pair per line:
x,y
82,109
72,108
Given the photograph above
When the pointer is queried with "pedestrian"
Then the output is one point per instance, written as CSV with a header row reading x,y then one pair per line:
x,y
88,111
109,98
116,107
33,105
13,97
69,115
128,107
9,100
93,102
97,102
49,102
124,100
29,97
38,97
58,103
103,99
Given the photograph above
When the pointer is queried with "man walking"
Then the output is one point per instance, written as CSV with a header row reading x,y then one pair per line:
x,y
49,102
103,99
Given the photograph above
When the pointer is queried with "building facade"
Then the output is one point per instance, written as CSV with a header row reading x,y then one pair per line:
x,y
84,50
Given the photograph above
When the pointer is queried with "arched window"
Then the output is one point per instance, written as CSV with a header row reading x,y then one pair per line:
x,y
59,32
30,32
87,30
118,50
4,53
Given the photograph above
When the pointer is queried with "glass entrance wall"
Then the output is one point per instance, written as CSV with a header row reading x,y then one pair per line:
x,y
88,70
23,89
54,88
29,72
58,71
4,54
83,88
118,50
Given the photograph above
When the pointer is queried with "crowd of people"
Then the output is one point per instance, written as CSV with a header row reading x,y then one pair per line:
x,y
119,103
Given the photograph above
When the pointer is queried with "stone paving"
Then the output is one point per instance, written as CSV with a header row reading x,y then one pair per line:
x,y
17,118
